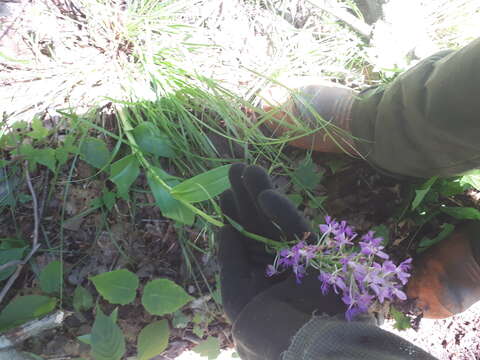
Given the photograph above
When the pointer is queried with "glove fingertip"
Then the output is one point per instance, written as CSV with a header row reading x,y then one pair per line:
x,y
227,204
256,180
282,212
235,173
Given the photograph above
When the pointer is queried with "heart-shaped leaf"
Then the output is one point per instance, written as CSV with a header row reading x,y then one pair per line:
x,y
107,340
82,299
118,286
162,296
95,152
209,348
124,172
51,277
153,339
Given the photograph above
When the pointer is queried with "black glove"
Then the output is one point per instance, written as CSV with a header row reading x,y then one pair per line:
x,y
266,312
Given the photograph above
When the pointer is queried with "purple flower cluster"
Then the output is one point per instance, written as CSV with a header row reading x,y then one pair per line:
x,y
359,271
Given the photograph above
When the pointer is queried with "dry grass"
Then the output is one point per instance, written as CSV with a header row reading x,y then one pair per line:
x,y
78,54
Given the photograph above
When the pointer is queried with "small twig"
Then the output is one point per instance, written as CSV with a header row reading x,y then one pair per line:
x,y
35,244
10,264
334,8
16,336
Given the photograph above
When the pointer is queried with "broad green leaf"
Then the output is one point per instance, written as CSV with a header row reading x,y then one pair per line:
x,y
8,255
95,152
86,339
124,172
402,322
209,348
46,157
204,186
107,340
150,139
82,299
170,207
306,176
38,132
162,296
462,213
422,192
153,339
51,277
472,178
25,308
117,287
426,242
449,187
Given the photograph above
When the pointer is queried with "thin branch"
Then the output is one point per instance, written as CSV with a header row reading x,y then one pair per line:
x,y
35,244
31,329
10,264
334,8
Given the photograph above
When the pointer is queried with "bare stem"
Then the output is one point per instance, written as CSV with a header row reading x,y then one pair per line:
x,y
35,244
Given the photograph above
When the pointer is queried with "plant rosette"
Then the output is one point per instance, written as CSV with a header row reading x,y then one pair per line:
x,y
356,268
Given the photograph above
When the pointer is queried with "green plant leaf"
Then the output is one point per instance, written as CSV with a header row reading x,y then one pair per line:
x,y
153,339
124,172
51,277
45,157
472,178
162,296
108,199
61,154
180,320
82,299
209,348
204,186
170,207
107,340
95,152
86,339
422,192
426,242
8,255
39,132
337,164
150,139
402,322
462,213
296,199
306,176
117,287
25,308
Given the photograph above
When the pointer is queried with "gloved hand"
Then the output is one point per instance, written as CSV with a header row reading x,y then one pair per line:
x,y
275,316
266,312
446,278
